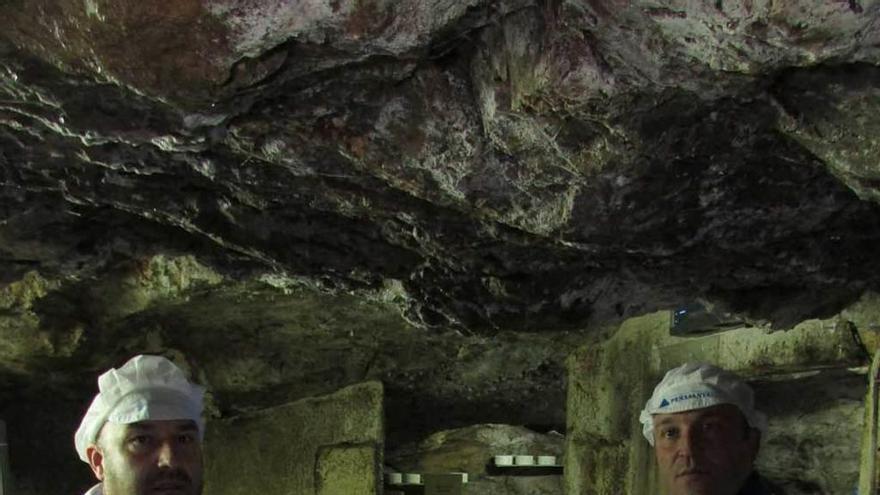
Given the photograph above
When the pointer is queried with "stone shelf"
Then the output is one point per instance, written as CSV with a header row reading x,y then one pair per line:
x,y
521,465
554,470
421,481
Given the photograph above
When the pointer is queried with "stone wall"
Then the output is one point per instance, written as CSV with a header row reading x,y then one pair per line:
x,y
814,431
812,444
330,445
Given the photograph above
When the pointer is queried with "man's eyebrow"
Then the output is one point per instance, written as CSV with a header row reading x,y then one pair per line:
x,y
187,427
711,415
665,422
141,427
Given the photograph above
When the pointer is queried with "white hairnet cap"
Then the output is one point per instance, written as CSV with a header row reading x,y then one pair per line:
x,y
697,386
144,388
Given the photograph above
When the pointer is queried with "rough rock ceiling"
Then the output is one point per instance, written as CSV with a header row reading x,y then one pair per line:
x,y
478,166
514,165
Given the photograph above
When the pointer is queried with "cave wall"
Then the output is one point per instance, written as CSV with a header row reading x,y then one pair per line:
x,y
289,197
40,433
508,163
255,344
471,450
802,377
432,381
814,431
802,373
329,445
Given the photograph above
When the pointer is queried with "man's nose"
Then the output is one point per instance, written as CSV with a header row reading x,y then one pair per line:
x,y
689,443
168,455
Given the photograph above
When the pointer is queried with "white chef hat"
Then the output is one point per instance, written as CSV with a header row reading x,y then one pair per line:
x,y
697,386
144,388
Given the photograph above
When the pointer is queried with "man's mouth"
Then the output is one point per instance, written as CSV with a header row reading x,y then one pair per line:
x,y
170,489
171,481
169,486
165,486
688,473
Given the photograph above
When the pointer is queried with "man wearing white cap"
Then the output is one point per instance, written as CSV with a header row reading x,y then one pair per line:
x,y
143,431
701,421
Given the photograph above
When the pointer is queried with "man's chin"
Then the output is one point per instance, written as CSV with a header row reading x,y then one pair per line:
x,y
694,484
173,490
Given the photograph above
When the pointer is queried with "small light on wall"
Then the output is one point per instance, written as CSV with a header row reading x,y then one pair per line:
x,y
694,318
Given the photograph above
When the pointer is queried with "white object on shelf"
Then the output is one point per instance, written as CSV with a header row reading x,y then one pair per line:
x,y
464,476
527,461
416,478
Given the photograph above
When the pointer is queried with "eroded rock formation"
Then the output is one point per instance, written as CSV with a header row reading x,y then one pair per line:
x,y
292,196
511,164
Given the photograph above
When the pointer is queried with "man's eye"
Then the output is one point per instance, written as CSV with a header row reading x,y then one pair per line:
x,y
140,441
186,438
668,433
712,426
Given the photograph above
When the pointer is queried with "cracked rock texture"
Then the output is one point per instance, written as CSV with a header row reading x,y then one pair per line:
x,y
292,196
513,165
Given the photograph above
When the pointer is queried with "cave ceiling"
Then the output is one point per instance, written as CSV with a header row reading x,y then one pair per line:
x,y
479,167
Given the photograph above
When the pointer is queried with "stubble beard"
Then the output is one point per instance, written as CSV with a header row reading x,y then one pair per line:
x,y
128,485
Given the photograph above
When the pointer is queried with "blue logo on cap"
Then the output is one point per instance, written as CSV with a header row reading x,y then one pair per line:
x,y
688,396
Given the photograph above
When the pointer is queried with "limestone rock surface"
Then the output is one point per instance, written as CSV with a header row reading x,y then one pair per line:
x,y
512,164
288,196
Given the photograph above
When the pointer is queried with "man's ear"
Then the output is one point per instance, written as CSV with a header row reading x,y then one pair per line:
x,y
96,461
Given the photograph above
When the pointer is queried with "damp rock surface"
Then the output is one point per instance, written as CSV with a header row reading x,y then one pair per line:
x,y
512,165
289,197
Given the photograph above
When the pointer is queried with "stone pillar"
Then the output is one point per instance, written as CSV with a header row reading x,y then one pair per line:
x,y
5,473
606,383
868,466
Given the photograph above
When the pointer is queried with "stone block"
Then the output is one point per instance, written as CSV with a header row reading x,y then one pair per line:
x,y
869,455
347,470
296,448
755,351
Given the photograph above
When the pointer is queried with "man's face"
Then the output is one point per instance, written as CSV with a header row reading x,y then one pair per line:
x,y
148,458
704,452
